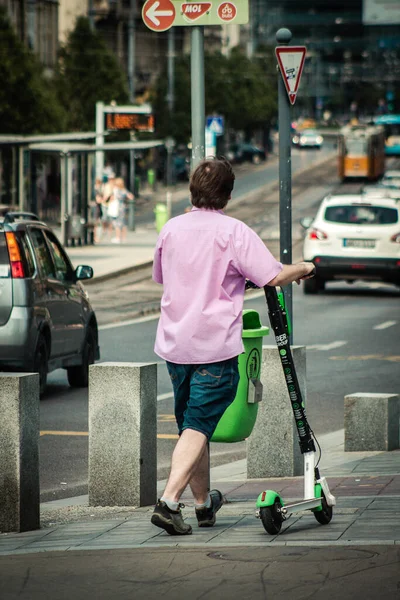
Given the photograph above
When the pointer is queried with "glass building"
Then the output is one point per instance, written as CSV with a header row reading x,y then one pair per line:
x,y
353,50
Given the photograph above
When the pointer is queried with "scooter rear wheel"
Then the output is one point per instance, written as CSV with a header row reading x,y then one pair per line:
x,y
271,518
325,515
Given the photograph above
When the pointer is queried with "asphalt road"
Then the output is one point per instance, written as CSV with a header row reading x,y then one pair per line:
x,y
346,354
250,178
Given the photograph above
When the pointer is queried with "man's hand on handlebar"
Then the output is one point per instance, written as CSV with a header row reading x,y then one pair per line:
x,y
309,271
250,285
290,273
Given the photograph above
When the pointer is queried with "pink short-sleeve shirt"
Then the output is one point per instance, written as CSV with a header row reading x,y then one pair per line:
x,y
203,258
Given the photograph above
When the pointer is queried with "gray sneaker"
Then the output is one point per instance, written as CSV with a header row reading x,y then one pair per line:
x,y
170,520
206,516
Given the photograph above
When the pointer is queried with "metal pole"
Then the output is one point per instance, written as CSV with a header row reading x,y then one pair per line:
x,y
169,143
63,199
99,139
171,107
91,13
283,37
31,24
171,71
132,94
198,96
198,115
131,51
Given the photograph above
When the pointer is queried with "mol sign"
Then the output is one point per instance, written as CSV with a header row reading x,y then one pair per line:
x,y
195,10
160,15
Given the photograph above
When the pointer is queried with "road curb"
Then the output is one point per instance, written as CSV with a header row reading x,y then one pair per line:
x,y
119,273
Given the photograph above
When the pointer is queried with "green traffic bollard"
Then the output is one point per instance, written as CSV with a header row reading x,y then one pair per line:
x,y
237,422
161,213
151,178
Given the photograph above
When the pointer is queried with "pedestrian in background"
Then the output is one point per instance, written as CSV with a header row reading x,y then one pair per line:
x,y
108,208
98,209
202,259
122,195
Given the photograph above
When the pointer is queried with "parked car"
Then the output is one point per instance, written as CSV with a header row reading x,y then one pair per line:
x,y
46,319
240,153
308,138
391,178
378,190
353,237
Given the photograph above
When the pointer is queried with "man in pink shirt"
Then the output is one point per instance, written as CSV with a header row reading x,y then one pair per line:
x,y
203,259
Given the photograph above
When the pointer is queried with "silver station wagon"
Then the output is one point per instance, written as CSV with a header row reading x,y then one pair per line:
x,y
46,320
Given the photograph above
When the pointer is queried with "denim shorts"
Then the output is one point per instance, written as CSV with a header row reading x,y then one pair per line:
x,y
203,393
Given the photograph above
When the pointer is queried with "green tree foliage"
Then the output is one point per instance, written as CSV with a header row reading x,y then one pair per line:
x,y
28,102
179,126
88,72
242,90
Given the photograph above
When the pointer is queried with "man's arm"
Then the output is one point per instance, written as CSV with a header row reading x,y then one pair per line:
x,y
290,273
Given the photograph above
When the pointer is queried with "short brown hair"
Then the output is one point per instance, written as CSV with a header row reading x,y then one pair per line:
x,y
211,183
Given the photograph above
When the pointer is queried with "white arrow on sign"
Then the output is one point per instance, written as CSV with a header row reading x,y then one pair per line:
x,y
152,13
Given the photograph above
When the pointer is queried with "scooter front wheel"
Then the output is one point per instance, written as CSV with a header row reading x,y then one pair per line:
x,y
271,518
325,515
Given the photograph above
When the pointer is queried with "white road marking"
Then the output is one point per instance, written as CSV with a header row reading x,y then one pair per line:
x,y
324,347
385,325
130,322
165,396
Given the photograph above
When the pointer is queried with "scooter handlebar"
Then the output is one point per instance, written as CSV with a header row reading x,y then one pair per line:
x,y
252,286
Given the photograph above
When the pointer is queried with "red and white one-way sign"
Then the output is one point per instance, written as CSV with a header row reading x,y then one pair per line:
x,y
291,63
158,15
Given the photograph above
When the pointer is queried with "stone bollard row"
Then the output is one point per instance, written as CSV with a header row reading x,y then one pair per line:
x,y
122,434
371,422
19,452
273,448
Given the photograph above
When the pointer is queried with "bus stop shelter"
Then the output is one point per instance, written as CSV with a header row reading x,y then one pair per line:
x,y
75,195
75,154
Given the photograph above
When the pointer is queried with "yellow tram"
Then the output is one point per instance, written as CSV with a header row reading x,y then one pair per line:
x,y
361,152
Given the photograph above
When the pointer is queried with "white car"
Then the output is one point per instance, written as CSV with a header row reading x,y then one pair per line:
x,y
308,138
391,179
353,237
379,190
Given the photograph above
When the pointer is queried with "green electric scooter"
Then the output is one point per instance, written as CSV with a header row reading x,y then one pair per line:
x,y
271,508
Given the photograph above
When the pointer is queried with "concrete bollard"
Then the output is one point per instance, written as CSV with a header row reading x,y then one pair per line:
x,y
19,452
371,422
122,434
273,448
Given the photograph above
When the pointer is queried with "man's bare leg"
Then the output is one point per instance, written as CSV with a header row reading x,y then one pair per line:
x,y
200,479
188,453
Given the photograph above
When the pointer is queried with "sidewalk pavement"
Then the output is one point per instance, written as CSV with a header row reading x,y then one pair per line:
x,y
116,553
109,260
366,484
